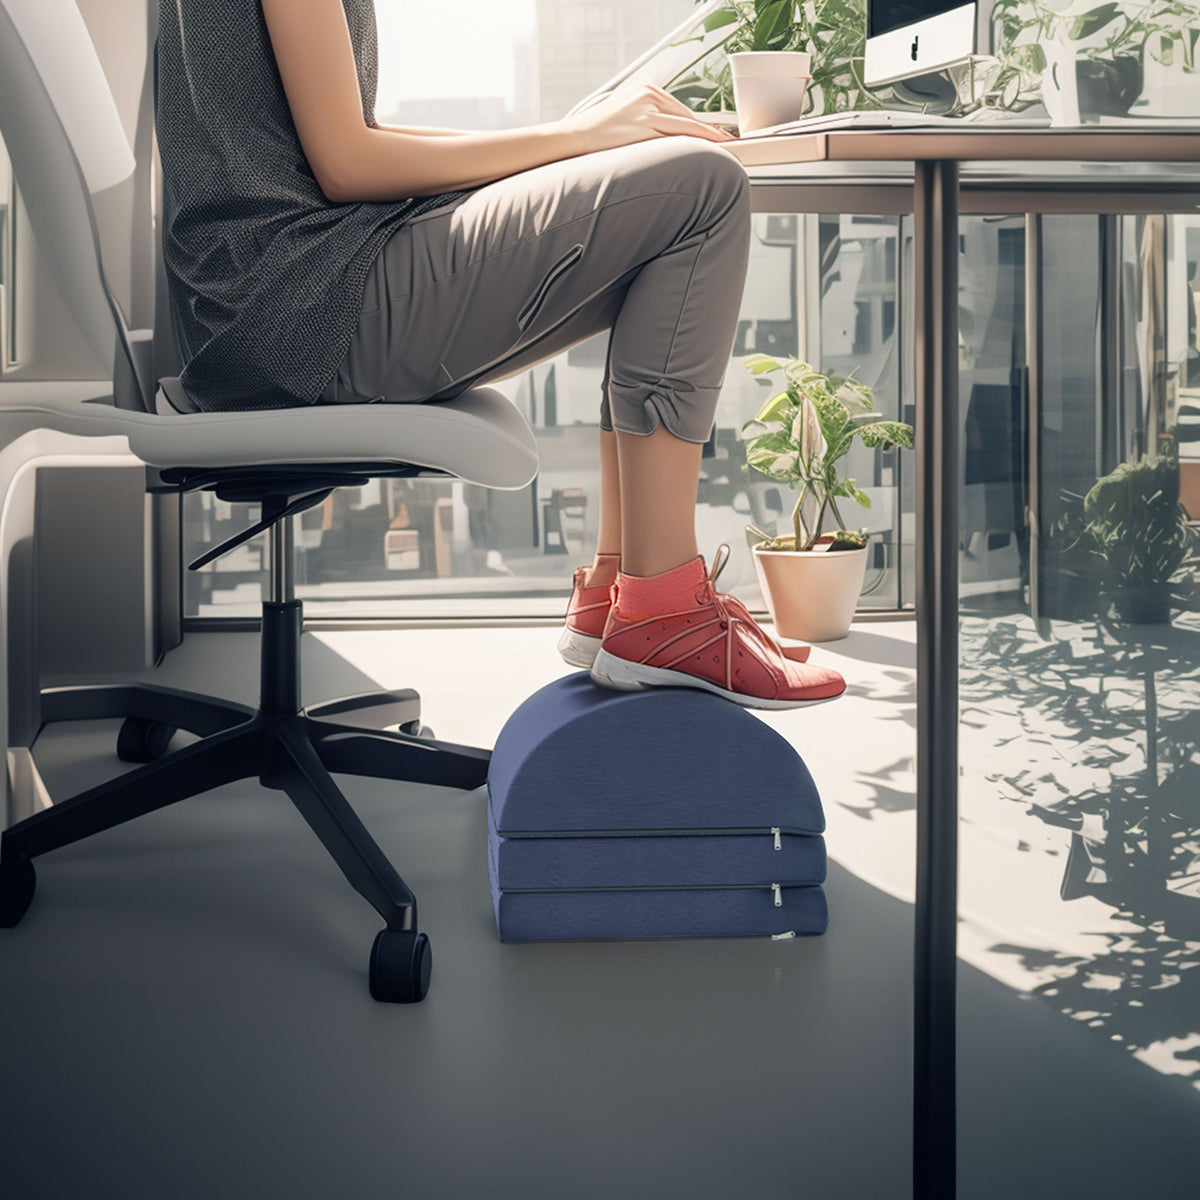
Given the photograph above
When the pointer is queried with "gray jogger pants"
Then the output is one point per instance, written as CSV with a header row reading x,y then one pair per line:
x,y
649,240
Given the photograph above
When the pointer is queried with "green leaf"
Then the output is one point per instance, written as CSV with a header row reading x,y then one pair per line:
x,y
802,374
774,442
1091,22
1028,58
760,364
836,424
866,418
850,489
773,455
688,91
855,395
848,539
754,535
886,434
717,19
1165,52
778,408
771,24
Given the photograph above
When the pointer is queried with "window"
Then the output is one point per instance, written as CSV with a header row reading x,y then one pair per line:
x,y
1077,673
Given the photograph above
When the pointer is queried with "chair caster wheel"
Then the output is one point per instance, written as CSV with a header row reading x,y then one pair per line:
x,y
401,963
17,881
143,741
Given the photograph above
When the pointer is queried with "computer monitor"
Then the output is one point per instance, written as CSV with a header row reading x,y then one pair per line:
x,y
915,37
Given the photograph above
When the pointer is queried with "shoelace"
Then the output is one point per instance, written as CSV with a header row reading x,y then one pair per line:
x,y
729,608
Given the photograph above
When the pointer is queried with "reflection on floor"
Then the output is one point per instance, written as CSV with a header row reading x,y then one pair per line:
x,y
187,1012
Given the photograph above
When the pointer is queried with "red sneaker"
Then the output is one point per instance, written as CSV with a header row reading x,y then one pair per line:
x,y
586,613
715,645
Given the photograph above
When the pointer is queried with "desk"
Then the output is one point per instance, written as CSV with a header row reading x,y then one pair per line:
x,y
847,171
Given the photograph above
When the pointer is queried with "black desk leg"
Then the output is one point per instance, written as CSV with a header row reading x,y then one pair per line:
x,y
937,418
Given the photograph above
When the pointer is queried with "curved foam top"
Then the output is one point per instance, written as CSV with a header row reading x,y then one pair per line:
x,y
577,757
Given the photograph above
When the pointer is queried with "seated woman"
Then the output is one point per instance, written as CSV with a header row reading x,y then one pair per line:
x,y
314,256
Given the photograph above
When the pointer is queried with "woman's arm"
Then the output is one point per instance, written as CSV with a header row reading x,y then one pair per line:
x,y
354,161
422,130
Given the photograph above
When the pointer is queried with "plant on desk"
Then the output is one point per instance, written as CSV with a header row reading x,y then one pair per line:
x,y
1110,41
811,580
832,31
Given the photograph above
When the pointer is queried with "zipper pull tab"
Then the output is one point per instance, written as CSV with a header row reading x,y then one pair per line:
x,y
777,831
778,895
783,937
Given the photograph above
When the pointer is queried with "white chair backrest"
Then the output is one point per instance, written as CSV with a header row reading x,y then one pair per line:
x,y
66,142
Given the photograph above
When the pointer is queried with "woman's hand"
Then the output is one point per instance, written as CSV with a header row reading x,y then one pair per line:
x,y
637,116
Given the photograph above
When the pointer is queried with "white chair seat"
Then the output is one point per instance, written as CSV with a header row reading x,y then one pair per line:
x,y
479,436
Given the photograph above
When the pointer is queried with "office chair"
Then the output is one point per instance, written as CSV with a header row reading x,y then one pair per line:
x,y
66,143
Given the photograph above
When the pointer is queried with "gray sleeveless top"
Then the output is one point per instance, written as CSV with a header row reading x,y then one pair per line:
x,y
266,277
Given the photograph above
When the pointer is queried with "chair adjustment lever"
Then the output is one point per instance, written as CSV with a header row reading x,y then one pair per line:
x,y
299,504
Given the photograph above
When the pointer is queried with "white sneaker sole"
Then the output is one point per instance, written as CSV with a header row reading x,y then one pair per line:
x,y
610,671
578,649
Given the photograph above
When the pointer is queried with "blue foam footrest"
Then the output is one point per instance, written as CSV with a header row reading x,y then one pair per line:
x,y
665,813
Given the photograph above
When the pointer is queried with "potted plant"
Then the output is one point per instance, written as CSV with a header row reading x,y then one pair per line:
x,y
1109,41
769,86
1069,564
811,580
833,32
1141,534
1124,548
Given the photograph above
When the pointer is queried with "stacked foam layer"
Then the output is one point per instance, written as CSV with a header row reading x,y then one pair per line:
x,y
659,814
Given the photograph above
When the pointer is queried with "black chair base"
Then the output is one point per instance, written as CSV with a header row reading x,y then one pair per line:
x,y
282,745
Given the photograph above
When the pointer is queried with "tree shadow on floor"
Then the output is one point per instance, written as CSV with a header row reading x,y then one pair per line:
x,y
1101,730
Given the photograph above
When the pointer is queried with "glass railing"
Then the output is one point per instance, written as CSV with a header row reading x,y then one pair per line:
x,y
1079,677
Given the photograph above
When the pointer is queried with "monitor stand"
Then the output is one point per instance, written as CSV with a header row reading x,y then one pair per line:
x,y
952,90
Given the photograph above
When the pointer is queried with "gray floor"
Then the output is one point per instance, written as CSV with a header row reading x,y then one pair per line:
x,y
187,1012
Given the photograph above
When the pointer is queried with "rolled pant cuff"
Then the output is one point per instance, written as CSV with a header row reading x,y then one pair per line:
x,y
686,411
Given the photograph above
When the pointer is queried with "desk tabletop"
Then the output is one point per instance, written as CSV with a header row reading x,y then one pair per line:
x,y
978,143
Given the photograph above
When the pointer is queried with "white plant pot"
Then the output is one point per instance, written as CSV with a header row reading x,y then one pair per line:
x,y
769,86
812,594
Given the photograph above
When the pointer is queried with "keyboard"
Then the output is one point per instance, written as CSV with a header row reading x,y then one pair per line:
x,y
981,118
884,118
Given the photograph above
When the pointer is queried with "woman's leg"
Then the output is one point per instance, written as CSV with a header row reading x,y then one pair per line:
x,y
608,537
676,328
659,476
650,240
470,294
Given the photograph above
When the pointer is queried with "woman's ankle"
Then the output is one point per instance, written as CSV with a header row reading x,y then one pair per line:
x,y
603,570
673,590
